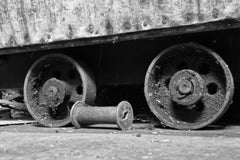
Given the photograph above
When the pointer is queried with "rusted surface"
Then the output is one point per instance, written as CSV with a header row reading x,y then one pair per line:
x,y
54,93
186,87
53,84
122,115
213,85
28,22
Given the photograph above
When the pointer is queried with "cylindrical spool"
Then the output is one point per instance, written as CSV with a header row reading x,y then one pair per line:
x,y
122,115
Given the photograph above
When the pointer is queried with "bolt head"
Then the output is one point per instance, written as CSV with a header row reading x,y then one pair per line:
x,y
185,86
52,91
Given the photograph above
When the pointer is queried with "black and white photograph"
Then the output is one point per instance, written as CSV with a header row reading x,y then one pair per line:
x,y
119,79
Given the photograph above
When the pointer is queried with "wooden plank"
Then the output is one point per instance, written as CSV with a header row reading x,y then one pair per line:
x,y
13,105
6,122
35,22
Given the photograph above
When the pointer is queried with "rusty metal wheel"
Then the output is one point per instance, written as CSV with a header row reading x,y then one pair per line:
x,y
52,85
188,86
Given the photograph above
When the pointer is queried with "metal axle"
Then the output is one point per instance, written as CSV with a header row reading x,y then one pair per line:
x,y
83,114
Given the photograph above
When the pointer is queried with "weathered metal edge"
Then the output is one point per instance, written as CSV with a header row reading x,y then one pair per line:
x,y
154,33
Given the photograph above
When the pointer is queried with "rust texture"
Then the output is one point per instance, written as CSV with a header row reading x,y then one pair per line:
x,y
52,85
188,86
28,22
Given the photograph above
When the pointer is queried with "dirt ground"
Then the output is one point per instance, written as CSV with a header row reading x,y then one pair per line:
x,y
143,142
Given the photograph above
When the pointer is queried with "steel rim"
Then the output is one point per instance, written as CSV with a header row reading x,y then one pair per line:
x,y
218,84
68,73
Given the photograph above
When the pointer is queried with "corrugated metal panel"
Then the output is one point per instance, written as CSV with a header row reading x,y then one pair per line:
x,y
27,22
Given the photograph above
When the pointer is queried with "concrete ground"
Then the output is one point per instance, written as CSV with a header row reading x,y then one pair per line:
x,y
143,142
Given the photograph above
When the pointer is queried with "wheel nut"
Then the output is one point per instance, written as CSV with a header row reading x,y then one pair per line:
x,y
122,115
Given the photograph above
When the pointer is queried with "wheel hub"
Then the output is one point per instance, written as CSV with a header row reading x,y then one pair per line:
x,y
186,87
53,93
51,87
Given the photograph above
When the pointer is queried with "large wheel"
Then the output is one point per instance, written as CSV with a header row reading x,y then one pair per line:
x,y
52,85
188,86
